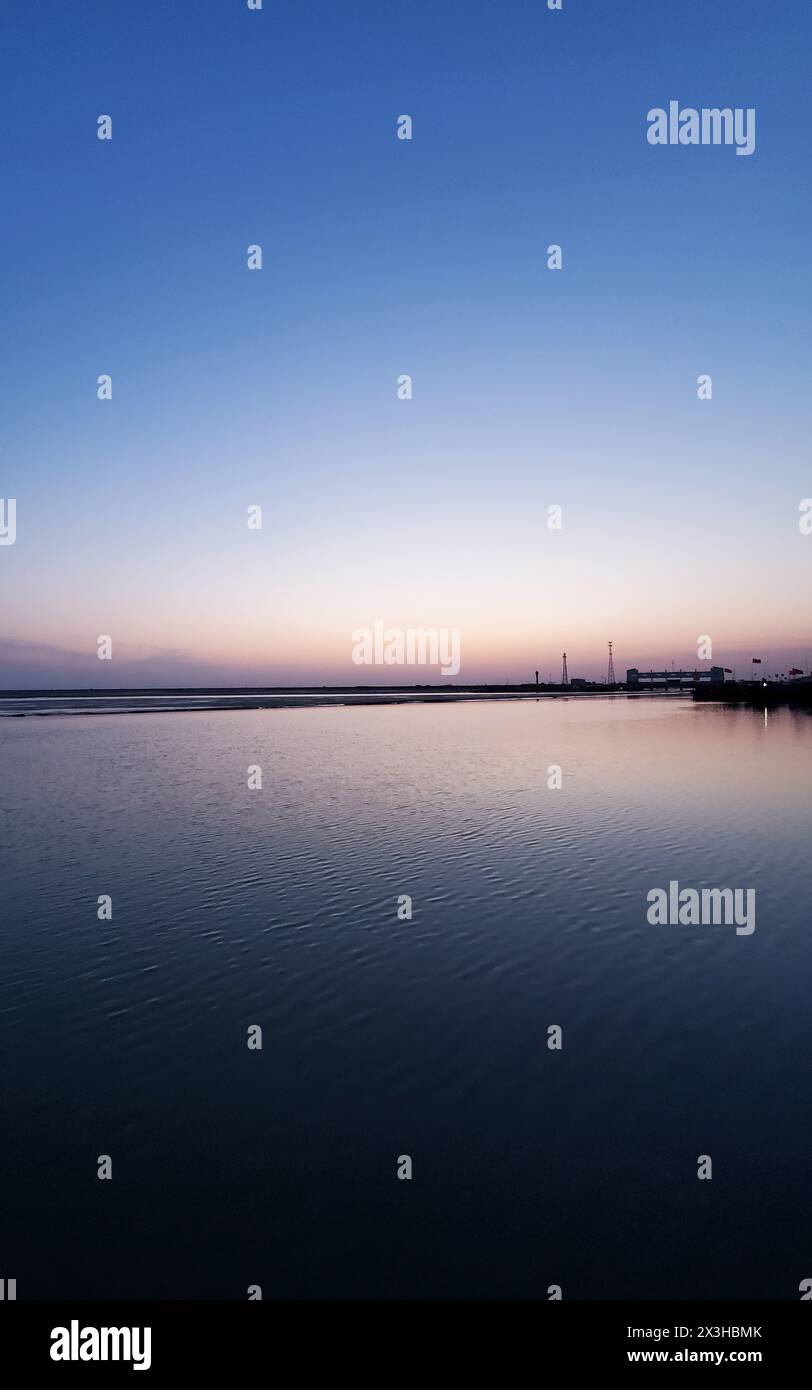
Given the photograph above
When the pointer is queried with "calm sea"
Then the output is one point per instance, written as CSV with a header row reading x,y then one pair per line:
x,y
381,1038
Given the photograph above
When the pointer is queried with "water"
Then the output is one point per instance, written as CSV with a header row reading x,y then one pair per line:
x,y
382,1038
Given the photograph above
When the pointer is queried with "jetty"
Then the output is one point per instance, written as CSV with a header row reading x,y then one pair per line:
x,y
758,694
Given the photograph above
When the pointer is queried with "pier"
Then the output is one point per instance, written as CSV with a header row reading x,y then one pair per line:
x,y
758,694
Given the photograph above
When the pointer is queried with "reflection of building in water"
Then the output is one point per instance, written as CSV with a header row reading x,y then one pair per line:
x,y
665,680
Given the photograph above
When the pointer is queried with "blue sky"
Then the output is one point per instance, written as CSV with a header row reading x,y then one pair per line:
x,y
381,257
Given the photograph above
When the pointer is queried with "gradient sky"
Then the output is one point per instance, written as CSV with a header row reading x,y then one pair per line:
x,y
384,257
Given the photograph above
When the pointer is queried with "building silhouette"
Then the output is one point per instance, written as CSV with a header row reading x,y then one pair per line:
x,y
672,680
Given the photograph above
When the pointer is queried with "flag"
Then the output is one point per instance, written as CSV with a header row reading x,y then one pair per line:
x,y
728,670
795,671
756,660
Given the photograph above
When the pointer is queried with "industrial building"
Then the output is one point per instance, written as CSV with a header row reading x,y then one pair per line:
x,y
673,680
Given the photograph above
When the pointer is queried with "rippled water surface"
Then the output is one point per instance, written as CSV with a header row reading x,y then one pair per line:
x,y
381,1037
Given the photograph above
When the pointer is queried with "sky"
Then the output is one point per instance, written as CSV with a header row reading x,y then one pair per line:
x,y
277,388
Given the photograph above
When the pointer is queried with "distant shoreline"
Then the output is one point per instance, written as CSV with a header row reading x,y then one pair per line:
x,y
30,703
22,704
97,692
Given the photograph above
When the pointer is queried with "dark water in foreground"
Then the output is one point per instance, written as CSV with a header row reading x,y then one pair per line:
x,y
381,1038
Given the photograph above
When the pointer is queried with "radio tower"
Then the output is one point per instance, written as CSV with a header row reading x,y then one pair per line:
x,y
565,680
610,674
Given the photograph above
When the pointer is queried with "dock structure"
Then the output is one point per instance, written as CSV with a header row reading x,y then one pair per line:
x,y
758,694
